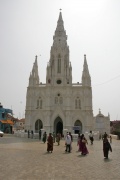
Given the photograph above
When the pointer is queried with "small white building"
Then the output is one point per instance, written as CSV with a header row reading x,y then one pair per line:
x,y
102,123
19,124
59,103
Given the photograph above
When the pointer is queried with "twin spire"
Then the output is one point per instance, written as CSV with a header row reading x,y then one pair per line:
x,y
86,79
34,77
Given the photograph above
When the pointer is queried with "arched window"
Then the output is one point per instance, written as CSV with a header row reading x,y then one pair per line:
x,y
77,103
77,127
59,64
39,103
58,99
38,125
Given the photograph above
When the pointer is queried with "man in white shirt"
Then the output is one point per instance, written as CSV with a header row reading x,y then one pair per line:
x,y
91,137
68,143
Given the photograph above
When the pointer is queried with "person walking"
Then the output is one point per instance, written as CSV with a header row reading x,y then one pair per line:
x,y
32,134
50,143
91,137
83,147
40,134
105,135
44,137
106,147
68,143
65,142
58,137
71,140
53,137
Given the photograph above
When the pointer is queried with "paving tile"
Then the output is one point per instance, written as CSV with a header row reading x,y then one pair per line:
x,y
27,159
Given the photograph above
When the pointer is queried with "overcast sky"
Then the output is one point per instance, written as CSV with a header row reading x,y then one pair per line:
x,y
93,28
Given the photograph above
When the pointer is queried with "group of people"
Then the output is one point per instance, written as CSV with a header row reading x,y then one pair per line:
x,y
50,140
106,144
81,142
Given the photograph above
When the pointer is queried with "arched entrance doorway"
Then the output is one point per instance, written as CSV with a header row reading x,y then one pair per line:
x,y
38,125
58,125
78,127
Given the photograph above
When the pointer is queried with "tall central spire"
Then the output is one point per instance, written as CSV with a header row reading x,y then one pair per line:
x,y
60,23
59,70
60,33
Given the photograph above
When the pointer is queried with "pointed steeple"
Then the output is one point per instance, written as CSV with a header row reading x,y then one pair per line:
x,y
60,33
86,79
59,69
60,25
34,77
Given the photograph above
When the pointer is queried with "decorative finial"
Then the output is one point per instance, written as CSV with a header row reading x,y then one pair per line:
x,y
36,57
99,111
85,56
60,9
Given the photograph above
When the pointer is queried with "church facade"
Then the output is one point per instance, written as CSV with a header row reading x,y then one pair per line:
x,y
60,104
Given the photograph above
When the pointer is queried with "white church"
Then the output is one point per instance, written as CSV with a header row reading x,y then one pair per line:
x,y
60,104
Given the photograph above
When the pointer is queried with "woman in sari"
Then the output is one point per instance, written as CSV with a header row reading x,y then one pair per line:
x,y
50,143
83,147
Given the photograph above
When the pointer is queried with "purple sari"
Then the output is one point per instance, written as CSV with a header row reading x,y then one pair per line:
x,y
83,147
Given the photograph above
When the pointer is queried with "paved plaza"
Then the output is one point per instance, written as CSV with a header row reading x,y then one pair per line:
x,y
27,159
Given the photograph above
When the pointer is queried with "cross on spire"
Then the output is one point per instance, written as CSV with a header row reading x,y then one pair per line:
x,y
99,111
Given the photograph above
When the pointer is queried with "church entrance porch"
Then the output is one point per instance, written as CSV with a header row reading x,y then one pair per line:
x,y
77,127
58,125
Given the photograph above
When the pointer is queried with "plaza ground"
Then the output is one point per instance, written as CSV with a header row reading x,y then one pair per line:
x,y
27,159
